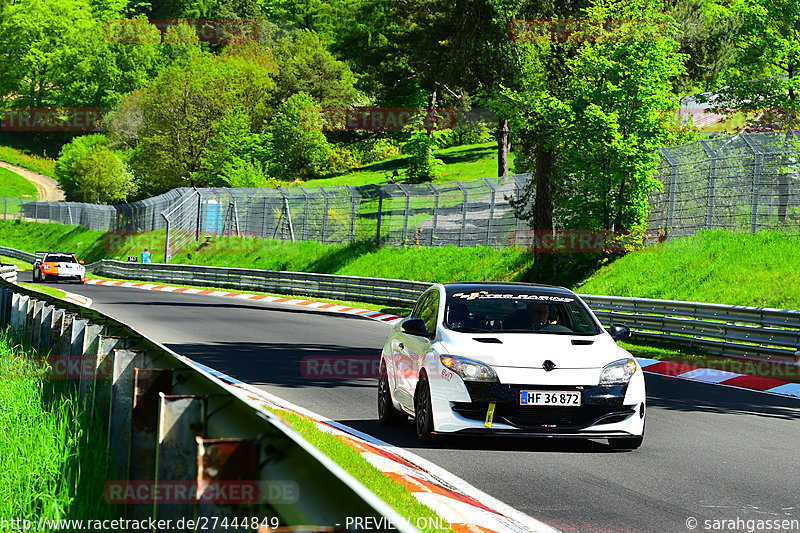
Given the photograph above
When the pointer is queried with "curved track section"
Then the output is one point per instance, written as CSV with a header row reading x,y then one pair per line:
x,y
710,452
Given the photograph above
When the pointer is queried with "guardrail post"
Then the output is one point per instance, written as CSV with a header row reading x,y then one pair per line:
x,y
19,312
149,384
84,359
180,420
33,323
220,461
56,331
44,331
119,423
6,296
101,389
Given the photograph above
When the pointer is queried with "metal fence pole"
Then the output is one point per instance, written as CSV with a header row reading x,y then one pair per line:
x,y
405,212
519,187
712,178
199,210
166,240
325,215
352,212
673,180
380,213
463,215
491,212
435,192
305,214
756,181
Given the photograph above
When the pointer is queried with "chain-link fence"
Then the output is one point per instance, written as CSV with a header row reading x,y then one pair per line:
x,y
745,182
459,213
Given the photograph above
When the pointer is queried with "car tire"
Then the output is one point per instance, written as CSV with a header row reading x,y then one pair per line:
x,y
388,415
423,411
627,443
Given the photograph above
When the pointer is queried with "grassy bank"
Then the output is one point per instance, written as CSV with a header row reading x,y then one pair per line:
x,y
719,267
35,163
48,459
12,185
446,263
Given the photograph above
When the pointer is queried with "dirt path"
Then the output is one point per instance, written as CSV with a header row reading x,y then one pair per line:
x,y
46,186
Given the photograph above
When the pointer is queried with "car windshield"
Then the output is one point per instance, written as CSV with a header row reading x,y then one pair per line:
x,y
518,311
59,258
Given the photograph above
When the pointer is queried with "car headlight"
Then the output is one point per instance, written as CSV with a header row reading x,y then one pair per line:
x,y
618,372
468,369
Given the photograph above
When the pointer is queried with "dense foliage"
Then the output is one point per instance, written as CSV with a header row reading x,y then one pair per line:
x,y
585,91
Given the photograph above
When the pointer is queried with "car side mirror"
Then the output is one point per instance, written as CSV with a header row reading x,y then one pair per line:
x,y
619,332
80,261
416,326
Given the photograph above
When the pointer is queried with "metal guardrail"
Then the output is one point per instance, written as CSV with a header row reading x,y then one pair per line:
x,y
373,290
17,254
8,273
730,330
171,422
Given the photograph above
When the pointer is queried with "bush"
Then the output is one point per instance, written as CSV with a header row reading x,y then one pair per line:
x,y
341,160
300,149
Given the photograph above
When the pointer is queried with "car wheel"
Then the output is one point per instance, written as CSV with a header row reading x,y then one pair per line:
x,y
423,411
626,443
388,415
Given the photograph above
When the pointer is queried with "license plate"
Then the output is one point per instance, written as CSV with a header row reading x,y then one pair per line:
x,y
557,398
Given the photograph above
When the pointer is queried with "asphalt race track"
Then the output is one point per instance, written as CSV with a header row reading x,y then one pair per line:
x,y
710,452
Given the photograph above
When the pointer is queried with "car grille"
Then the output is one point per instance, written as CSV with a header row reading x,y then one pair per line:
x,y
532,417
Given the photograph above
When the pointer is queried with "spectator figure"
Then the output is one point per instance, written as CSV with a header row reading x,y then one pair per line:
x,y
146,256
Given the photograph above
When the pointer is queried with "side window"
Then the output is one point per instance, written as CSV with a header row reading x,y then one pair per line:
x,y
430,310
417,312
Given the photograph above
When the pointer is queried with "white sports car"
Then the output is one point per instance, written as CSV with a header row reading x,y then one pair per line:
x,y
58,266
512,359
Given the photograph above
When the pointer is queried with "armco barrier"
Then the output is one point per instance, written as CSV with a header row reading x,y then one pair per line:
x,y
372,290
752,332
8,273
731,330
172,425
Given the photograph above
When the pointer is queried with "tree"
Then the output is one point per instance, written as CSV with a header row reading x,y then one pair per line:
x,y
192,108
103,178
89,171
298,144
305,65
55,53
765,74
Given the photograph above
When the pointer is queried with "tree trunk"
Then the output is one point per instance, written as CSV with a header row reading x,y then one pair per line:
x,y
502,148
544,264
430,122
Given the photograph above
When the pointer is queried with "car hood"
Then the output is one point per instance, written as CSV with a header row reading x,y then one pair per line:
x,y
531,350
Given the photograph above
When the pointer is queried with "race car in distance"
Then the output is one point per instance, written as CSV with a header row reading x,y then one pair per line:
x,y
58,266
510,359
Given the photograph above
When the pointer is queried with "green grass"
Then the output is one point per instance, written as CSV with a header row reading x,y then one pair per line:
x,y
390,491
24,266
719,267
48,460
42,165
44,289
467,162
442,264
12,185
